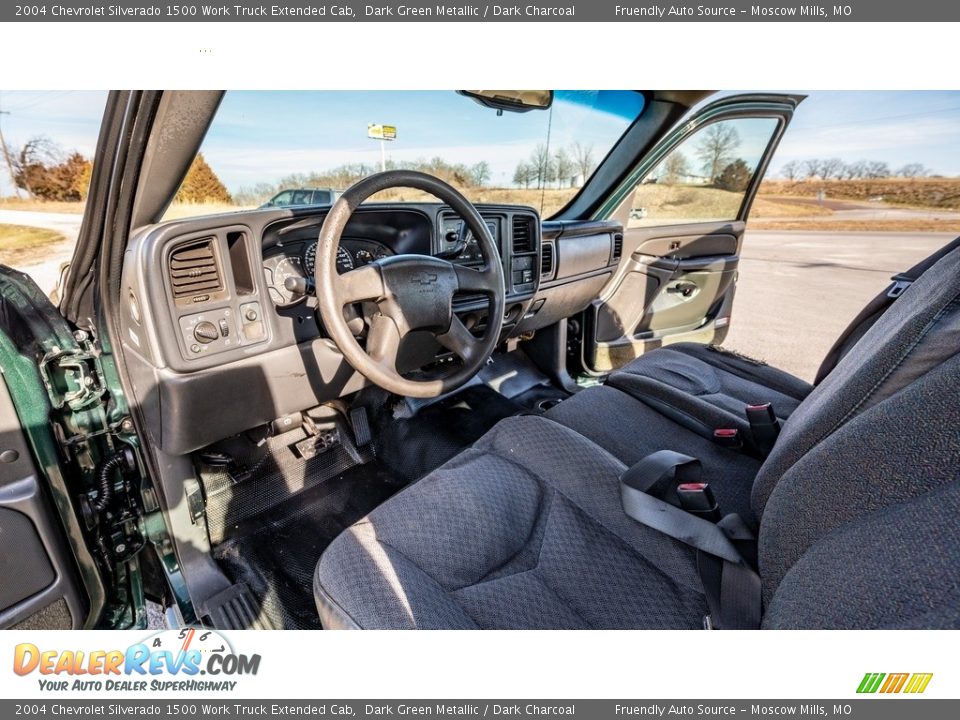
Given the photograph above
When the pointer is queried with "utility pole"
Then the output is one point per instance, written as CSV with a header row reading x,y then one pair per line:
x,y
6,154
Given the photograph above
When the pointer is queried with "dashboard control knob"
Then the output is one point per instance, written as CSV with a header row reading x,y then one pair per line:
x,y
250,314
206,332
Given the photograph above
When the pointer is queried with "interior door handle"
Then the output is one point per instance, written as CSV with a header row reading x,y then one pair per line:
x,y
686,289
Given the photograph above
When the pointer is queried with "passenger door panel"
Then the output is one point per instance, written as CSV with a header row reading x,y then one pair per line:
x,y
684,209
677,284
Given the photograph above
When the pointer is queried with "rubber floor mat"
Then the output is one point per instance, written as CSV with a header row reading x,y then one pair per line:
x,y
276,551
264,474
413,446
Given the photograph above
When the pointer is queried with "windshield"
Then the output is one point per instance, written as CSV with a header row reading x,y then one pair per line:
x,y
300,148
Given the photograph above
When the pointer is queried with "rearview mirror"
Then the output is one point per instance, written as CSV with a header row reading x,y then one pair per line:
x,y
511,100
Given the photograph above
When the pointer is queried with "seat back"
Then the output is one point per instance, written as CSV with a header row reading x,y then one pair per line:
x,y
875,309
880,433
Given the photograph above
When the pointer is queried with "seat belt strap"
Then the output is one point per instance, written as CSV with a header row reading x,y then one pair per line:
x,y
670,520
658,474
731,585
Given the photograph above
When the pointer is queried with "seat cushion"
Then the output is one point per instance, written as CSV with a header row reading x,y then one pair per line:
x,y
858,503
523,530
707,388
894,568
630,430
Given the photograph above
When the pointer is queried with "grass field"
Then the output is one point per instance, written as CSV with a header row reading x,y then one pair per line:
x,y
10,203
781,204
941,193
21,245
553,199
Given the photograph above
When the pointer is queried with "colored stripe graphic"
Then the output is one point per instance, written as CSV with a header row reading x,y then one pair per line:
x,y
870,682
918,682
894,683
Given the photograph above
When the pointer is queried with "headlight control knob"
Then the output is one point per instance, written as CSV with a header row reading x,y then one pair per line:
x,y
206,332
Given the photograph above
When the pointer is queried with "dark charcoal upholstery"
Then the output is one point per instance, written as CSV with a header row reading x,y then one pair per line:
x,y
897,567
630,430
711,387
708,387
857,506
883,452
524,530
919,332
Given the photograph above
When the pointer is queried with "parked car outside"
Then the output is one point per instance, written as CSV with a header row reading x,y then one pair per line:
x,y
303,196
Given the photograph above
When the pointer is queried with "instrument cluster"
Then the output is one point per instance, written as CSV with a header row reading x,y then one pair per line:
x,y
299,262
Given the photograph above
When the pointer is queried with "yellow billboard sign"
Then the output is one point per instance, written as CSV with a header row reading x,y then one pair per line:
x,y
376,131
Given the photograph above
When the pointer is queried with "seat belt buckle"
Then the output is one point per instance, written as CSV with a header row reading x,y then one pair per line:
x,y
764,426
900,284
728,438
697,499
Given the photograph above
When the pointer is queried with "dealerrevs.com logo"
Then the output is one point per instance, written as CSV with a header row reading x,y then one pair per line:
x,y
171,660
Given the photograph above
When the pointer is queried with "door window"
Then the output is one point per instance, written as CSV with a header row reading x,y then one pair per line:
x,y
282,199
705,178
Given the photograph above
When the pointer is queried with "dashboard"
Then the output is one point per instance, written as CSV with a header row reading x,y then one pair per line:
x,y
217,343
456,233
290,250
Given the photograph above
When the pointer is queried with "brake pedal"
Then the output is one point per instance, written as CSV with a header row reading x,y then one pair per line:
x,y
361,426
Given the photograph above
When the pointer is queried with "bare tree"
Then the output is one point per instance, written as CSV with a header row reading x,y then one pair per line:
x,y
792,170
811,167
583,157
541,164
876,169
31,161
854,170
675,168
524,174
830,168
716,147
480,173
563,168
913,170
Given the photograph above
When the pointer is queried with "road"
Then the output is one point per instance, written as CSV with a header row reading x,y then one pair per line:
x,y
46,272
848,210
796,294
799,290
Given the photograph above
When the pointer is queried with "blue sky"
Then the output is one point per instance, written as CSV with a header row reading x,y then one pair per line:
x,y
264,135
261,136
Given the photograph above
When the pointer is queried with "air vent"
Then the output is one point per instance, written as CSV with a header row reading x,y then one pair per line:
x,y
546,261
617,247
194,270
523,234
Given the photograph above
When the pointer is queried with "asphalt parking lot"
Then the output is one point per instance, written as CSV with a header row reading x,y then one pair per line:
x,y
799,290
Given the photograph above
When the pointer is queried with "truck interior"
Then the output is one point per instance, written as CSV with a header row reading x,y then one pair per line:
x,y
441,413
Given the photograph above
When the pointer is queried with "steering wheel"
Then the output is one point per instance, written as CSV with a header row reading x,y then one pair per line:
x,y
405,294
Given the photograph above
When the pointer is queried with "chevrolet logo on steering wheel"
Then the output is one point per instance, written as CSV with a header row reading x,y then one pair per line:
x,y
425,278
